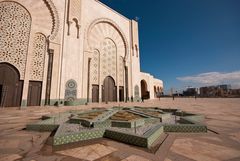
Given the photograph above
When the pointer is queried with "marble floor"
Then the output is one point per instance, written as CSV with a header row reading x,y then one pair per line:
x,y
221,143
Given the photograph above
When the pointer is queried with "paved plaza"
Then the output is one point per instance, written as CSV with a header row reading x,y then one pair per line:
x,y
222,142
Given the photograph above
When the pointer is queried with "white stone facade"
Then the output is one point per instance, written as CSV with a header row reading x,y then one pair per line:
x,y
65,49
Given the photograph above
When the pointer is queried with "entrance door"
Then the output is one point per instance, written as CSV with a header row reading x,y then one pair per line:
x,y
95,93
144,90
11,86
34,93
1,91
109,90
121,94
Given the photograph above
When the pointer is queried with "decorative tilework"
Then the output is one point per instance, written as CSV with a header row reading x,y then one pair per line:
x,y
121,71
15,25
71,90
71,129
95,68
37,65
109,62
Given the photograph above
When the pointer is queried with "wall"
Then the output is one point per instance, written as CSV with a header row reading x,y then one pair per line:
x,y
66,26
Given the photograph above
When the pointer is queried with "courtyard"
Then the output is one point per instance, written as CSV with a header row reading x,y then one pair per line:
x,y
221,142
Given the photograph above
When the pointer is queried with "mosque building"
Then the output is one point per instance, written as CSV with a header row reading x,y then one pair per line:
x,y
72,52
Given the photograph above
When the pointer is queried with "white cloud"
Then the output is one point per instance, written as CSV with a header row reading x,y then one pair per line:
x,y
213,78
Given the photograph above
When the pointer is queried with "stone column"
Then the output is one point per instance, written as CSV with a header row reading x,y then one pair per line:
x,y
88,84
49,76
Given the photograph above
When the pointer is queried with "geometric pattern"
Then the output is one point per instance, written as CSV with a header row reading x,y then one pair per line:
x,y
188,128
108,59
78,136
71,90
135,157
95,68
106,38
90,152
37,65
74,9
143,135
126,138
121,71
15,26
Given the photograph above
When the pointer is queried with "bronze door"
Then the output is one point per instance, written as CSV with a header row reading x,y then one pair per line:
x,y
121,94
1,91
34,93
95,93
144,90
11,86
109,90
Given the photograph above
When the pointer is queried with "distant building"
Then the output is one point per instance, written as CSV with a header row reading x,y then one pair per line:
x,y
235,92
216,91
190,92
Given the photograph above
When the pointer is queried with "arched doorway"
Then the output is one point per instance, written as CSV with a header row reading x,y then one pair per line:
x,y
155,91
109,90
10,86
144,90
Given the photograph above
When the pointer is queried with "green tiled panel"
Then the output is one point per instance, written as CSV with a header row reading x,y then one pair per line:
x,y
75,137
85,123
24,103
154,136
41,127
123,124
126,138
188,128
104,124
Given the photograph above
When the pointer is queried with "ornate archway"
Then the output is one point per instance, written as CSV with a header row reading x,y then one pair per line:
x,y
144,90
109,90
101,29
10,86
109,51
15,33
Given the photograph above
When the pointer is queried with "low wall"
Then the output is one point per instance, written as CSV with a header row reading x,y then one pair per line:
x,y
185,128
128,124
42,127
78,136
143,141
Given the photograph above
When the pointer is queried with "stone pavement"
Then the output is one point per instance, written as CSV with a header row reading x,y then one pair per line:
x,y
221,143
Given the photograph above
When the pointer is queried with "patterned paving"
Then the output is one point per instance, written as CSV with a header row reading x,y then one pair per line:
x,y
222,116
135,158
204,151
91,152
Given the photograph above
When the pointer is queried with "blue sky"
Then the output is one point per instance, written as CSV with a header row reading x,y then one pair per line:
x,y
187,42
